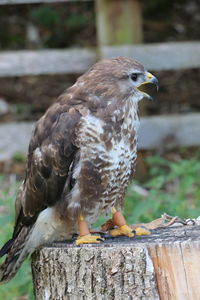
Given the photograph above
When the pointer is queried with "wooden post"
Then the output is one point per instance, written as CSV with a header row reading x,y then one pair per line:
x,y
162,266
118,22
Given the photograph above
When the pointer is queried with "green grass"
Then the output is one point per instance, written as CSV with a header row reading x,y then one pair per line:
x,y
21,284
172,187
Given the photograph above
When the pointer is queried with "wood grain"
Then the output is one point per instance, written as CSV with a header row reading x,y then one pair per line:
x,y
162,266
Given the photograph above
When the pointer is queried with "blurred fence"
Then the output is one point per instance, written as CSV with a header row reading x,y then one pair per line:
x,y
156,57
155,131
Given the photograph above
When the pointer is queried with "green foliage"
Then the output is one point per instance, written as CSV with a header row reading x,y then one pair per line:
x,y
21,285
59,27
75,20
156,7
173,187
56,25
48,17
19,157
45,16
21,110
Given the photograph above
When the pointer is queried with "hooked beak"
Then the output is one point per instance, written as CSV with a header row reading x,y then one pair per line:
x,y
149,79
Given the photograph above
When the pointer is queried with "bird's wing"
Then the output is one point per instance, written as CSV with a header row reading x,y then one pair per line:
x,y
51,153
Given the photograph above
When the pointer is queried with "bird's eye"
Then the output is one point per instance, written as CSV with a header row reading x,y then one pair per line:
x,y
134,76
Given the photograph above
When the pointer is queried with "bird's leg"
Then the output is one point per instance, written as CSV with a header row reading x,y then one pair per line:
x,y
119,220
84,233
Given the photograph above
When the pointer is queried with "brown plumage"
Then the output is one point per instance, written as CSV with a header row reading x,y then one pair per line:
x,y
81,158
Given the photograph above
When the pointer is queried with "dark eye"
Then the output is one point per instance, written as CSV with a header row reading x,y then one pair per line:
x,y
134,76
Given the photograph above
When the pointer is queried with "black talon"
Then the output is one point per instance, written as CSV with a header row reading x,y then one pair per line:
x,y
101,240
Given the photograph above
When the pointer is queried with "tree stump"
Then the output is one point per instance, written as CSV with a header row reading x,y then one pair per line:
x,y
164,265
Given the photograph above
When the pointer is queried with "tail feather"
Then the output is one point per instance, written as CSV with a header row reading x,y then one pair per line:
x,y
6,247
27,238
15,255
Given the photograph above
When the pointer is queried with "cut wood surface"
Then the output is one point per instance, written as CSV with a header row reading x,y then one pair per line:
x,y
155,133
163,56
164,265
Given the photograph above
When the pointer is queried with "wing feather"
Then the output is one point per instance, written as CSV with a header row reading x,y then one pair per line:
x,y
51,152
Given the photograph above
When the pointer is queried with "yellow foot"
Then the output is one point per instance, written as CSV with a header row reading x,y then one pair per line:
x,y
89,239
142,231
122,230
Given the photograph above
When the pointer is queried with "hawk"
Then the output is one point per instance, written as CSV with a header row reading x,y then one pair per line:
x,y
81,157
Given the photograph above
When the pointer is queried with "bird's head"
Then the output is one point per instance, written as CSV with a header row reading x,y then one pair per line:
x,y
142,79
117,77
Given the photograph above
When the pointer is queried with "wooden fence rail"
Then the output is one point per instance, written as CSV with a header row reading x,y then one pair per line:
x,y
162,56
28,62
159,56
154,133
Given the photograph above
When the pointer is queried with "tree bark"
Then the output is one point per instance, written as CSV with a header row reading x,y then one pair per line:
x,y
164,265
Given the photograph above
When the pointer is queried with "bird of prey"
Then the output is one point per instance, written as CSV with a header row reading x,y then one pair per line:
x,y
81,157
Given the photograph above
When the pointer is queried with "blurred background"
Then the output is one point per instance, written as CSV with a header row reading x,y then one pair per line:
x,y
46,45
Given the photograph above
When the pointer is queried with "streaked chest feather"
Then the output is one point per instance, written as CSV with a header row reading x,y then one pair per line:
x,y
110,146
108,153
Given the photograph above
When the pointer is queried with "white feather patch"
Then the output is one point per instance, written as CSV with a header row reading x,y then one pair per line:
x,y
46,229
